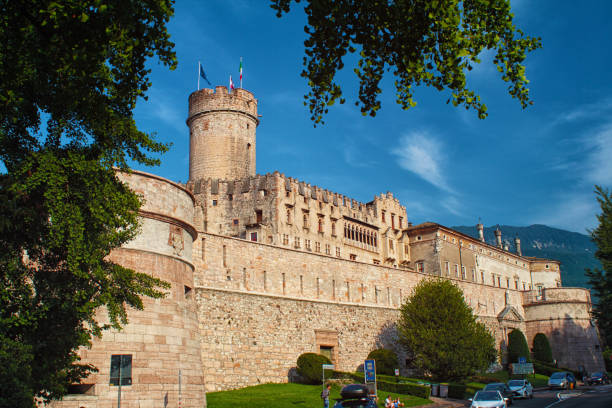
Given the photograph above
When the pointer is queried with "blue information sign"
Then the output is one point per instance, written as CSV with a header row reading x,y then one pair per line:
x,y
522,360
370,371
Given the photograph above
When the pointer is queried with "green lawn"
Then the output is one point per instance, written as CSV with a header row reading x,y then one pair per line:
x,y
288,395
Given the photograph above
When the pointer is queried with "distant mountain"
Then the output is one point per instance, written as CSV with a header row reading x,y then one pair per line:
x,y
575,251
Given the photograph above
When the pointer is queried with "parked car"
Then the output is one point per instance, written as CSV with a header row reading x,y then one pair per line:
x,y
562,379
521,388
599,377
503,389
355,396
488,399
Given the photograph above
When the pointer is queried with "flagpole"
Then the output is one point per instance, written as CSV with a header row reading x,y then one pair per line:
x,y
241,72
198,75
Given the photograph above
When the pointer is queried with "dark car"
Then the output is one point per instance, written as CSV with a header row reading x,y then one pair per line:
x,y
355,396
503,389
598,378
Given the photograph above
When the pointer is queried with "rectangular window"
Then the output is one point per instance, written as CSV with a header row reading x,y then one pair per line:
x,y
338,252
307,243
121,369
473,275
203,249
353,257
285,239
235,221
401,221
393,221
499,281
382,213
482,277
327,249
462,272
214,203
516,284
317,246
456,271
508,282
447,268
390,245
296,242
258,216
254,236
420,267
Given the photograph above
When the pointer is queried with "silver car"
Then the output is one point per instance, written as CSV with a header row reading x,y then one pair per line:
x,y
488,399
562,379
521,388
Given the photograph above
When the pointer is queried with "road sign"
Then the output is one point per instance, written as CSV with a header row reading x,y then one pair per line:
x,y
328,366
397,371
526,368
522,360
370,370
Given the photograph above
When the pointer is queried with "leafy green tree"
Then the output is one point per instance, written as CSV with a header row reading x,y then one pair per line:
x,y
438,328
601,279
430,42
70,75
517,346
386,361
541,348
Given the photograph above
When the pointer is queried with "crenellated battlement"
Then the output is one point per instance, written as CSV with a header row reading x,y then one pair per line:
x,y
220,100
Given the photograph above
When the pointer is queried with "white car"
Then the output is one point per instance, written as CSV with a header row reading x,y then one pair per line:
x,y
521,388
488,399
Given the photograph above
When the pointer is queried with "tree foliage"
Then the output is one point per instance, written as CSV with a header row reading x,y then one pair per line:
x,y
386,361
429,42
71,72
601,279
541,348
517,346
438,328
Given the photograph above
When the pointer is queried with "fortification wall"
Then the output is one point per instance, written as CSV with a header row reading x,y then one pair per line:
x,y
564,316
163,339
263,306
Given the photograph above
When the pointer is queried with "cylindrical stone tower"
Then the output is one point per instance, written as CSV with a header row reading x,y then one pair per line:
x,y
161,342
222,134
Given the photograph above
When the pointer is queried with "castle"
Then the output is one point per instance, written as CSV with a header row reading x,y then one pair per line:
x,y
264,268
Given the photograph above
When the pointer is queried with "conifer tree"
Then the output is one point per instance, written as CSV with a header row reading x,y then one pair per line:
x,y
517,346
601,279
541,348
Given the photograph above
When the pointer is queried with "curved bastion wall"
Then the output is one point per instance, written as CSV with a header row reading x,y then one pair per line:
x,y
163,339
564,316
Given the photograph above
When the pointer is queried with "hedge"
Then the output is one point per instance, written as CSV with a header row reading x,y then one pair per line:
x,y
456,390
541,349
545,369
418,390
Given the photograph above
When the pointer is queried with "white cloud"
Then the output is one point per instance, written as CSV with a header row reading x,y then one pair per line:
x,y
598,164
421,154
572,211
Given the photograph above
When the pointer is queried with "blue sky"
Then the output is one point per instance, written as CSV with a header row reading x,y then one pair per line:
x,y
517,167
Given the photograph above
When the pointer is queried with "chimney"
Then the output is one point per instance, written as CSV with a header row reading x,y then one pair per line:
x,y
480,228
517,243
498,237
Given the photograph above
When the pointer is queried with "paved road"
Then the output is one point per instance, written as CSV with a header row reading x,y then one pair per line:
x,y
582,397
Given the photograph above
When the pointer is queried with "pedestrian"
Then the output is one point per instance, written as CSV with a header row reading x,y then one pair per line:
x,y
325,395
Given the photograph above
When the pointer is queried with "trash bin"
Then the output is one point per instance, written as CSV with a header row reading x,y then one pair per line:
x,y
443,390
435,390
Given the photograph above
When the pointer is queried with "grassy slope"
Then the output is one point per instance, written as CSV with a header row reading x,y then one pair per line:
x,y
288,395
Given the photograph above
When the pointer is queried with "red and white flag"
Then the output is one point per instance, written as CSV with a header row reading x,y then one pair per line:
x,y
231,85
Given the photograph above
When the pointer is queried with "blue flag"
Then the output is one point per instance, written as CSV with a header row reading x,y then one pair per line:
x,y
203,75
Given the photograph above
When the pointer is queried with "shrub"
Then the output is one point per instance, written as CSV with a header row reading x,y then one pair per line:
x,y
386,361
541,348
545,369
517,346
484,379
309,367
